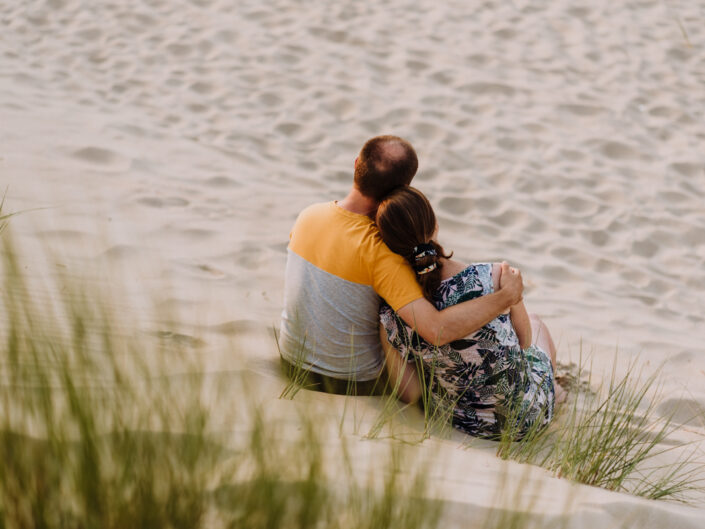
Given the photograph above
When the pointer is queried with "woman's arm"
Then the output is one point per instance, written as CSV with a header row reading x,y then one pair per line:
x,y
521,323
517,312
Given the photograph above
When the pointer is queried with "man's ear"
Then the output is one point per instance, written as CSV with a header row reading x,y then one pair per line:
x,y
355,164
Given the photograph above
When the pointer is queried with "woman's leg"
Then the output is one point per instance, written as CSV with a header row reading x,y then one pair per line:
x,y
541,338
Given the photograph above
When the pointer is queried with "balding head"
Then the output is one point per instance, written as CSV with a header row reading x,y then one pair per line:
x,y
384,164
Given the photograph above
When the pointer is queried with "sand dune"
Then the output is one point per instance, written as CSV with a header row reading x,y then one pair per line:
x,y
179,140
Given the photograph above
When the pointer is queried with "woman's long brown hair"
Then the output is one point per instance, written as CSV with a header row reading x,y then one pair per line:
x,y
406,219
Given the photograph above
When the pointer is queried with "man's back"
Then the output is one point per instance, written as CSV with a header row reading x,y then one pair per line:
x,y
336,265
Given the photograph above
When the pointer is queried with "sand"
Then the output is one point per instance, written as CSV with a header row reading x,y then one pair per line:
x,y
176,141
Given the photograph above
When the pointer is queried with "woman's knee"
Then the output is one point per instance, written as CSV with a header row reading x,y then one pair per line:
x,y
535,319
541,336
537,326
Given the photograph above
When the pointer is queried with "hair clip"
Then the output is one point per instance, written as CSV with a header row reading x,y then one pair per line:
x,y
429,268
424,250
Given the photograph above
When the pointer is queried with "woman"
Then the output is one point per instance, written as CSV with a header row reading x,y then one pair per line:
x,y
499,377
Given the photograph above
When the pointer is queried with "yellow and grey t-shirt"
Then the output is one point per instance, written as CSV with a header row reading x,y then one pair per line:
x,y
337,265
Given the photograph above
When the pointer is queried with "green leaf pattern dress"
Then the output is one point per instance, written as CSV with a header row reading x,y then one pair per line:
x,y
485,380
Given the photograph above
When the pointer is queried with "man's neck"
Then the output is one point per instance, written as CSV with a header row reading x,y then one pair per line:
x,y
358,203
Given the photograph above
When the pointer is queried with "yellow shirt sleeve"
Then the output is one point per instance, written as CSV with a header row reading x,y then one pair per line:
x,y
393,279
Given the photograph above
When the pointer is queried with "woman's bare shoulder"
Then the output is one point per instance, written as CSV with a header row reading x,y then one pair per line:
x,y
452,267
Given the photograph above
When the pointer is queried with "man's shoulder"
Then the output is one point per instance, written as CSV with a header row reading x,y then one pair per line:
x,y
316,210
328,217
340,242
315,219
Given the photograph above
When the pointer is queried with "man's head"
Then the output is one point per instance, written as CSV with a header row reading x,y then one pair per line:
x,y
384,164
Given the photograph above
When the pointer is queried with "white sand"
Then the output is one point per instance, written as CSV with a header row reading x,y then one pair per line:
x,y
565,137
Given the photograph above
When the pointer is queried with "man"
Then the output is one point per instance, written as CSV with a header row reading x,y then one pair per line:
x,y
338,267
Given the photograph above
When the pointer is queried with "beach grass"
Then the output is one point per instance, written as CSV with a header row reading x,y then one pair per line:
x,y
436,403
610,438
515,504
298,372
91,435
3,217
391,406
103,425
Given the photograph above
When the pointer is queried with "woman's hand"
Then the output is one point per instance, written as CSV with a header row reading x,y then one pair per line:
x,y
511,281
501,273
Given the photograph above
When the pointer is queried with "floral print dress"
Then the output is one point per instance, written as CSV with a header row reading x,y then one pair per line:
x,y
490,383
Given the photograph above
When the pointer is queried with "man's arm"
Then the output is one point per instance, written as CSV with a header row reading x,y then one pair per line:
x,y
441,327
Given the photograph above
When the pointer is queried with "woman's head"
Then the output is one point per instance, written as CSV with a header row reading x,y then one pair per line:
x,y
407,224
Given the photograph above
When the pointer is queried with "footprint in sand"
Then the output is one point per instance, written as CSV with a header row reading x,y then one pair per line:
x,y
222,182
444,77
157,202
428,132
571,154
208,271
270,99
238,327
495,89
559,273
328,34
197,233
201,87
178,338
455,205
102,158
289,129
664,112
688,169
683,411
66,235
582,110
179,50
124,251
645,248
597,237
342,108
89,34
615,150
579,206
511,144
416,67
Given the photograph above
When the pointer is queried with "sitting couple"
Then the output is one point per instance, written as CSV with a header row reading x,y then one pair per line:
x,y
464,326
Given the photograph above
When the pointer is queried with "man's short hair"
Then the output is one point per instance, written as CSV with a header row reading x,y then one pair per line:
x,y
384,164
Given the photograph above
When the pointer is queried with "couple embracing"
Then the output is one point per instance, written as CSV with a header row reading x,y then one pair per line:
x,y
371,300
